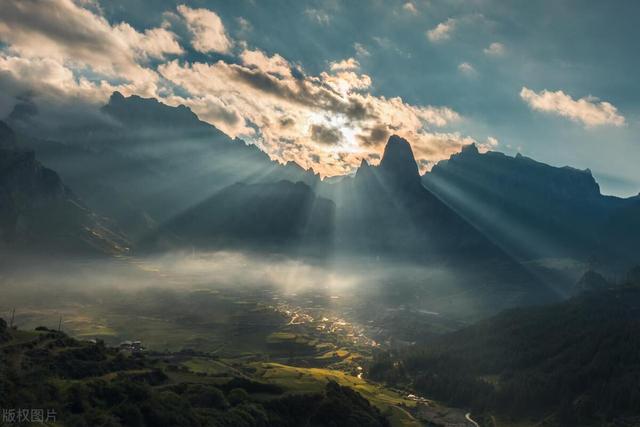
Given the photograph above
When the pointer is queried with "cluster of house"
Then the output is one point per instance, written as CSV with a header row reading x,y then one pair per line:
x,y
131,346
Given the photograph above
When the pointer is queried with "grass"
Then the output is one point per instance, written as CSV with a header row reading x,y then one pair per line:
x,y
281,336
299,380
208,366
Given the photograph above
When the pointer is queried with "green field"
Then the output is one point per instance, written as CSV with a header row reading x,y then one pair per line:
x,y
300,380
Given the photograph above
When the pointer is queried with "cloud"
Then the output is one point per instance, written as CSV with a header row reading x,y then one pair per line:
x,y
153,43
319,16
494,49
344,82
325,134
207,29
59,52
61,30
491,142
327,121
589,110
467,69
47,76
345,64
64,55
244,24
442,31
275,64
410,7
361,51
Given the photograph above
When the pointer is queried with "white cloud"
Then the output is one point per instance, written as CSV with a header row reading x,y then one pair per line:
x,y
491,142
345,64
328,122
495,49
63,52
442,31
207,29
77,37
467,69
319,16
589,110
244,24
410,7
361,50
275,64
153,43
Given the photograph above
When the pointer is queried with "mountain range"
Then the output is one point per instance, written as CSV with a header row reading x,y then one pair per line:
x,y
535,211
146,162
167,179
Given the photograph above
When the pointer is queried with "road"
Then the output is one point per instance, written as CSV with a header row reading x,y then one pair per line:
x,y
468,417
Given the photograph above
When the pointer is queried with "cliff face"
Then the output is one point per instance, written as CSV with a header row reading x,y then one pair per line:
x,y
37,211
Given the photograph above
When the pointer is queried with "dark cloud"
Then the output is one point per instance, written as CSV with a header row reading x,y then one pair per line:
x,y
376,136
286,122
325,135
308,92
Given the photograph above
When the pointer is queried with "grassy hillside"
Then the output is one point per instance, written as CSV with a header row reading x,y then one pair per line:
x,y
86,384
574,363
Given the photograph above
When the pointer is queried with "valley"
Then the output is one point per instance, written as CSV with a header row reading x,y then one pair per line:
x,y
297,339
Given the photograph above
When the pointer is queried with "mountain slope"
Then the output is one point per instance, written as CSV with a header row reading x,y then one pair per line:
x,y
147,162
385,214
536,210
385,208
276,214
37,211
577,362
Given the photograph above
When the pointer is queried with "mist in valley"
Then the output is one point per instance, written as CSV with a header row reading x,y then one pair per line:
x,y
143,297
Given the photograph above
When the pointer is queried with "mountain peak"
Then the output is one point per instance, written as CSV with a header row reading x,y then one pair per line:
x,y
470,149
398,159
149,111
116,97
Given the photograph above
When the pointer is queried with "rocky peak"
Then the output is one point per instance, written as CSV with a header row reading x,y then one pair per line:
x,y
398,160
470,149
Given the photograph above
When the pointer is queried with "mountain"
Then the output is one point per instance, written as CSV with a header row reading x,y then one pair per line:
x,y
591,281
383,212
276,214
573,363
38,212
146,162
534,210
385,207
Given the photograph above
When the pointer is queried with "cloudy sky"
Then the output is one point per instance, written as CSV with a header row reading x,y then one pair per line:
x,y
325,82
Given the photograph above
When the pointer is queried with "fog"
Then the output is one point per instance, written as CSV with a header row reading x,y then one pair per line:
x,y
197,298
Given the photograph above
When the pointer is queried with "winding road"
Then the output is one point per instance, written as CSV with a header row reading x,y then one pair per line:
x,y
468,417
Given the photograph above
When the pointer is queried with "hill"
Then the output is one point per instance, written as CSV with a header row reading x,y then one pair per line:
x,y
80,383
574,363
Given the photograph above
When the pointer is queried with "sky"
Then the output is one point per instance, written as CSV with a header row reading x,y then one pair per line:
x,y
324,83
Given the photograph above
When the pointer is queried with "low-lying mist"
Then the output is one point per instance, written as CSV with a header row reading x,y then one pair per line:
x,y
181,298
